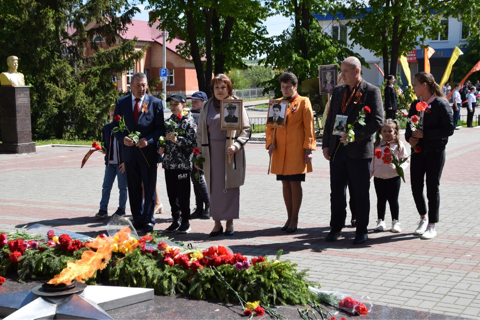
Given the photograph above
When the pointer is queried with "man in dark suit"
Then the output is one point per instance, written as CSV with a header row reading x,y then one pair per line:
x,y
351,162
276,108
231,118
142,113
390,98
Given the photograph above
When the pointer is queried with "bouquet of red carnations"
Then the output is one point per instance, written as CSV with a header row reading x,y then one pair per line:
x,y
350,303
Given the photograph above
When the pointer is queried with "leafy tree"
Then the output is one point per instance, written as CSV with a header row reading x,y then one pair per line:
x,y
391,28
259,74
304,46
239,79
70,93
217,33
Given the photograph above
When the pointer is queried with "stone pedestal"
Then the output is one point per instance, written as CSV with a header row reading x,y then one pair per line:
x,y
16,120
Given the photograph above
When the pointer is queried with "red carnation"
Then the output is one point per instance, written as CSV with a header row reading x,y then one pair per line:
x,y
366,109
222,250
217,262
247,312
146,238
179,116
117,118
387,158
260,259
378,153
417,149
2,280
361,308
254,261
421,106
169,261
162,246
196,151
415,119
259,311
14,256
387,150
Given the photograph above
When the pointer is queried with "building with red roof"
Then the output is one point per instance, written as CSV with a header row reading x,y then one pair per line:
x,y
182,76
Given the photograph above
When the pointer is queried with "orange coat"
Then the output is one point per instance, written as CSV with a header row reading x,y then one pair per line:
x,y
292,140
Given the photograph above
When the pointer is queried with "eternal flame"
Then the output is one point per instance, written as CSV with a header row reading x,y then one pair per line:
x,y
12,77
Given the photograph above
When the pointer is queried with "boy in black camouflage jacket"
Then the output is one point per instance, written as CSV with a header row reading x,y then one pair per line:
x,y
177,162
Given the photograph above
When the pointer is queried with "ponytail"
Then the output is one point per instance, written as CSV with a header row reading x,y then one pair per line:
x,y
425,77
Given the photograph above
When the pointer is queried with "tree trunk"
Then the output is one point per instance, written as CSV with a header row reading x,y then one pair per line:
x,y
195,52
208,51
224,40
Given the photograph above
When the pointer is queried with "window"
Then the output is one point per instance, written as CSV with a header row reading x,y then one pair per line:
x,y
147,74
339,33
129,76
170,77
98,38
443,35
465,31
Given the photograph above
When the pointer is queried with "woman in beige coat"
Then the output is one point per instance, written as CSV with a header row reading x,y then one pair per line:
x,y
223,178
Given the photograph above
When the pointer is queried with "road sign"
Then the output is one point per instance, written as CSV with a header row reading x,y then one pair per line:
x,y
163,74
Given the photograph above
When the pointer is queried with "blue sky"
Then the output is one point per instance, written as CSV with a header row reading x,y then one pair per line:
x,y
275,25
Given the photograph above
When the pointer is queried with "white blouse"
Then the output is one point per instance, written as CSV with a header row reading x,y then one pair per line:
x,y
378,169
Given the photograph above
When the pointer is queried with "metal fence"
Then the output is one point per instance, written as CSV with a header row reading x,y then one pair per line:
x,y
252,93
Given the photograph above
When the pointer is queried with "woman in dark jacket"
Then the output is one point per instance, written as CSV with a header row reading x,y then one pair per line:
x,y
428,137
390,98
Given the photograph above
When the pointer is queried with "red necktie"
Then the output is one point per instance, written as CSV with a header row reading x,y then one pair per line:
x,y
136,110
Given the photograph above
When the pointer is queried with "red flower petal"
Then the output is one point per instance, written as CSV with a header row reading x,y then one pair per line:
x,y
117,118
417,149
366,109
421,106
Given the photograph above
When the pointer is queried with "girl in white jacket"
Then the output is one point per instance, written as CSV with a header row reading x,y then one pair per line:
x,y
386,179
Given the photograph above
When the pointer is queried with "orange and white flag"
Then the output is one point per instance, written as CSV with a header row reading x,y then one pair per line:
x,y
428,53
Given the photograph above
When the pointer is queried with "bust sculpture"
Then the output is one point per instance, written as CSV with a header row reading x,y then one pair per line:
x,y
12,77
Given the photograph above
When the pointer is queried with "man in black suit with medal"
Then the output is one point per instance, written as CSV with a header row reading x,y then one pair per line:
x,y
351,162
142,113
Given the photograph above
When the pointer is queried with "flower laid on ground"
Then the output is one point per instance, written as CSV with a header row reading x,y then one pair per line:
x,y
50,234
352,304
2,280
3,239
346,302
253,309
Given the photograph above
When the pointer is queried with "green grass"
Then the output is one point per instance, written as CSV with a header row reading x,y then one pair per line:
x,y
61,141
464,123
259,128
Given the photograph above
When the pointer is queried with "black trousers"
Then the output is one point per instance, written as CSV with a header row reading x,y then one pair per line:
x,y
429,164
137,172
342,170
390,114
352,200
178,191
470,115
387,190
200,188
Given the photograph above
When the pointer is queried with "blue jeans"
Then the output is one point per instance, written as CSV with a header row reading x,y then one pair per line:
x,y
110,172
456,114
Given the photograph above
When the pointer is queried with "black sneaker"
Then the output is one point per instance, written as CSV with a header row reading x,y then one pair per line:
x,y
173,227
120,212
102,214
206,212
197,213
184,228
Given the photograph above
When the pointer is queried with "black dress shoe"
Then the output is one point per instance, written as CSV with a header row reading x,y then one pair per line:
x,y
197,214
291,230
284,228
360,238
137,225
206,212
333,236
229,232
148,227
216,233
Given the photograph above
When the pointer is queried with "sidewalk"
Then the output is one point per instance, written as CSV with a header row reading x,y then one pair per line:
x,y
399,270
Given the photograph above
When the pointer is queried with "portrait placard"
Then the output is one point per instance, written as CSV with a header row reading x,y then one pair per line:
x,y
231,114
340,126
327,75
277,110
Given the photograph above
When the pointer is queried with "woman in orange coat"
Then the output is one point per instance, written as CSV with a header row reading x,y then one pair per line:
x,y
292,149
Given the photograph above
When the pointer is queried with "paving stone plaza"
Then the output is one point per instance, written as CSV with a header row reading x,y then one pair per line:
x,y
441,275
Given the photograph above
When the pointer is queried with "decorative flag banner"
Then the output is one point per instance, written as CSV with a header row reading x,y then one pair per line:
x,y
428,53
406,69
456,53
474,69
380,70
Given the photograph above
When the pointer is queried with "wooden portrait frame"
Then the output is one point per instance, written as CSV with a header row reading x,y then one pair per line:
x,y
326,86
224,114
283,113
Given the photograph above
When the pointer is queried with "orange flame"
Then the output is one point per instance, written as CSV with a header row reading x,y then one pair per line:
x,y
91,261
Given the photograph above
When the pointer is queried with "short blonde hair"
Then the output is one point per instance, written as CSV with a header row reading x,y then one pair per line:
x,y
112,108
